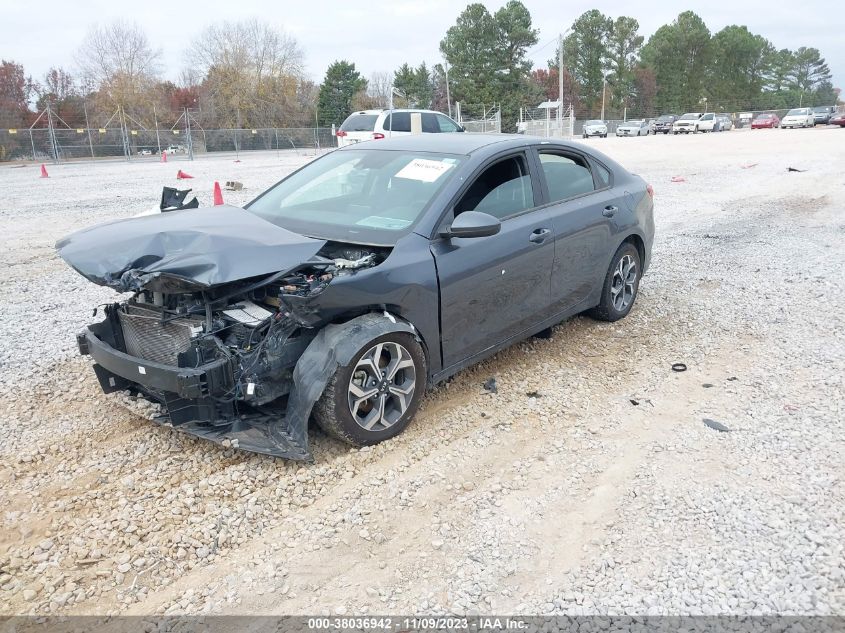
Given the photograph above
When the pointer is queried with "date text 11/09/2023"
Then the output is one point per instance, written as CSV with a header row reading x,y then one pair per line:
x,y
374,623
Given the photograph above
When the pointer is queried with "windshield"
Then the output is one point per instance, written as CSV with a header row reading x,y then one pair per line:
x,y
635,122
690,117
665,119
822,109
359,123
594,122
797,112
362,196
764,116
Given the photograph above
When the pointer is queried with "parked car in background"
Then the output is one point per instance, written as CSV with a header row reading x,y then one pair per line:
x,y
686,123
145,152
175,149
664,123
838,119
708,122
595,127
725,122
765,120
822,114
637,127
745,118
798,117
348,288
368,125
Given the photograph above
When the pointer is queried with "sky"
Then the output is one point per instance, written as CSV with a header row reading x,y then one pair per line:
x,y
379,35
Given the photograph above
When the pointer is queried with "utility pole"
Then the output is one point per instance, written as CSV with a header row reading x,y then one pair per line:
x,y
560,86
158,139
603,88
448,97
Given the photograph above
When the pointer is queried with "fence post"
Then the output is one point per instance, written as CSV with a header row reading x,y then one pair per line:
x,y
32,140
54,145
158,139
88,128
188,137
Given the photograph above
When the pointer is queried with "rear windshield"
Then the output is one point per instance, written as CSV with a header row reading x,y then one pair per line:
x,y
359,123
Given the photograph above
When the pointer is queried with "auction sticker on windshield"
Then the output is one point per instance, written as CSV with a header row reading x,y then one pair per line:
x,y
424,170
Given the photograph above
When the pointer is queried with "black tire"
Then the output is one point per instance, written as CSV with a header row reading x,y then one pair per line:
x,y
332,411
606,310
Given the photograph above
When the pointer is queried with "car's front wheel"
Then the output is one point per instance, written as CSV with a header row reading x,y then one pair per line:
x,y
621,284
376,395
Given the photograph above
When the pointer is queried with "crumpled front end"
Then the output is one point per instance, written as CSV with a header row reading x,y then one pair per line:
x,y
224,305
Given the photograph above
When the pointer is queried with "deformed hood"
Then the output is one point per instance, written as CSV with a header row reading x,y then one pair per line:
x,y
185,250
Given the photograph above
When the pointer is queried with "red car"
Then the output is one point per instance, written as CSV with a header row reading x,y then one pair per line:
x,y
838,119
765,120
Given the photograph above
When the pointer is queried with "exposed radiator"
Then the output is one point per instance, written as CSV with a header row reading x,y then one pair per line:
x,y
147,337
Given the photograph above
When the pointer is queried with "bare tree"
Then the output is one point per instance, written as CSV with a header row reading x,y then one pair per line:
x,y
378,88
118,59
252,71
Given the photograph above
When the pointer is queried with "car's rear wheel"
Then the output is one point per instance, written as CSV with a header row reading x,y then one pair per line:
x,y
376,395
621,284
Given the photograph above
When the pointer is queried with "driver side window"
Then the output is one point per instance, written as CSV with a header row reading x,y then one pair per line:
x,y
502,190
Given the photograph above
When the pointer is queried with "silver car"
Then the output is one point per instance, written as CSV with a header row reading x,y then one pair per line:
x,y
637,127
595,127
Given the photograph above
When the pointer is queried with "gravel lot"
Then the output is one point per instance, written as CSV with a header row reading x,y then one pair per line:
x,y
588,484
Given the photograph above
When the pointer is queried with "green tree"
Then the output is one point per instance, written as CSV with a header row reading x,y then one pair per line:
x,y
337,92
739,67
487,57
415,83
623,51
679,55
585,55
809,69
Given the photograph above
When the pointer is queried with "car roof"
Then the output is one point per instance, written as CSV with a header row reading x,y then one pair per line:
x,y
455,143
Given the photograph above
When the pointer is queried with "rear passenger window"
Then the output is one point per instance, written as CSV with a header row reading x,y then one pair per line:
x,y
429,123
502,190
602,175
398,122
566,175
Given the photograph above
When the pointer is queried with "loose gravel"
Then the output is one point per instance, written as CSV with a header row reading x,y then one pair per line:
x,y
589,484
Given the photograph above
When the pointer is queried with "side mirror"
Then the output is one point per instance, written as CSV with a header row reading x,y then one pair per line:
x,y
473,224
461,128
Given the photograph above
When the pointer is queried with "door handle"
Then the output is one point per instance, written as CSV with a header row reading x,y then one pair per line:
x,y
539,235
609,210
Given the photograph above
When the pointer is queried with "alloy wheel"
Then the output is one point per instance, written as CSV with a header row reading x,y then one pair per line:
x,y
623,283
382,386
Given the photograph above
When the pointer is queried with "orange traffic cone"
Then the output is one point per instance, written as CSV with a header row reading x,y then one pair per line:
x,y
44,173
181,175
218,195
164,157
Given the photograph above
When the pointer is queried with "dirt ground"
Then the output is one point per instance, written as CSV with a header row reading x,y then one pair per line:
x,y
588,484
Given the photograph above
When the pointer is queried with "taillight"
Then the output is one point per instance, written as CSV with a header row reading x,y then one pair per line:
x,y
340,133
377,136
650,191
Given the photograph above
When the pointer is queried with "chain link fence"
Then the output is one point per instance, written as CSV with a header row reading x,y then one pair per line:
x,y
70,144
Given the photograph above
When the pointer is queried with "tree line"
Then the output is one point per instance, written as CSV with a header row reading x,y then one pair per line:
x,y
250,75
681,67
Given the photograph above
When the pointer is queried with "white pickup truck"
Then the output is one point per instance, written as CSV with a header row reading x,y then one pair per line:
x,y
687,123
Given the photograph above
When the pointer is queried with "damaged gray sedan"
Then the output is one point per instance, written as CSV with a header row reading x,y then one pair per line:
x,y
348,288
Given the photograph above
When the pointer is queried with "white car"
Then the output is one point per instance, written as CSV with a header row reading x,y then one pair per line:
x,y
725,122
637,127
175,149
799,117
595,127
368,125
709,122
687,123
